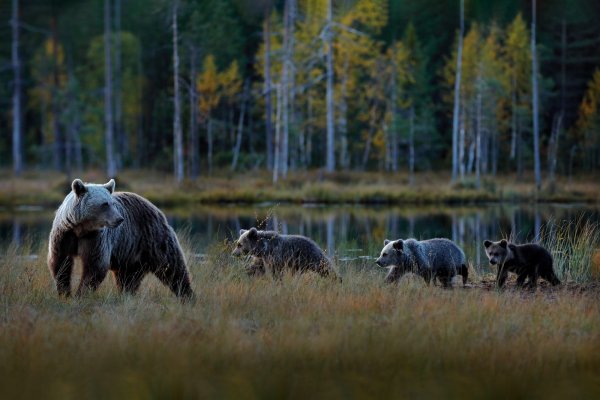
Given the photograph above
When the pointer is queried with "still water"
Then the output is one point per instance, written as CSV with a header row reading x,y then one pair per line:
x,y
346,232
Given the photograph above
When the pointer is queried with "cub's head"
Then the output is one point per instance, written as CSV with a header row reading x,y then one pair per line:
x,y
498,252
93,207
253,242
392,253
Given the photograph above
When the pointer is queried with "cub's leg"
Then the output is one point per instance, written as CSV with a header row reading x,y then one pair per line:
x,y
521,279
393,275
501,276
533,277
256,268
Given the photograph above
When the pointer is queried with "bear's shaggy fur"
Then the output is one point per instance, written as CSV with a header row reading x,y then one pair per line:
x,y
119,231
526,260
271,251
433,258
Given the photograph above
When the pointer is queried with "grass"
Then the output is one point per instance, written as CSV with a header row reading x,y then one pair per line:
x,y
300,187
302,337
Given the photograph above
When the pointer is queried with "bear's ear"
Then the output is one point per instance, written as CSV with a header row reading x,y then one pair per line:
x,y
487,244
252,233
398,245
503,243
242,231
110,186
78,187
386,242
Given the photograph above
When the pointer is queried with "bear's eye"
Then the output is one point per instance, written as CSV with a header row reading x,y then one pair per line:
x,y
385,254
104,205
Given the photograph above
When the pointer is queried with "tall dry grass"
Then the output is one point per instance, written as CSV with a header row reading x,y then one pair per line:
x,y
303,336
574,244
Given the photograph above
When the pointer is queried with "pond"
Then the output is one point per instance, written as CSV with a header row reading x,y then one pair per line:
x,y
348,232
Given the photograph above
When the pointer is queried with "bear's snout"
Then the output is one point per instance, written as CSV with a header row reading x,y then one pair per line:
x,y
493,261
378,262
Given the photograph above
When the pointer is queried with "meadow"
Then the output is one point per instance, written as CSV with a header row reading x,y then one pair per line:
x,y
301,337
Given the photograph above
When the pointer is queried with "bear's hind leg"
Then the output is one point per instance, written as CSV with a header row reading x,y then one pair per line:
x,y
128,280
175,275
521,279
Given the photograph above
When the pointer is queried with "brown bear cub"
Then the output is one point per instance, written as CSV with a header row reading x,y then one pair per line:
x,y
274,252
117,231
526,260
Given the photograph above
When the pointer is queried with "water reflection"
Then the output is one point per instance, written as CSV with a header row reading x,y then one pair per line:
x,y
347,232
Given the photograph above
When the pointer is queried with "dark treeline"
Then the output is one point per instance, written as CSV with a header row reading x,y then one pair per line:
x,y
197,85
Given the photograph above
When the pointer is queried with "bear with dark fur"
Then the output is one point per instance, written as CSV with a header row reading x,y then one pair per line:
x,y
526,260
117,231
439,259
274,252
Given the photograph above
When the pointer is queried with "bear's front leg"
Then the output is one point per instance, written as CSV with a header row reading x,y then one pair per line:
x,y
61,249
501,276
95,259
393,275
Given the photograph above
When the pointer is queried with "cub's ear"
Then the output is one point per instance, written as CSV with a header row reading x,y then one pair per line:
x,y
110,186
242,231
487,244
386,241
78,187
398,244
252,233
503,243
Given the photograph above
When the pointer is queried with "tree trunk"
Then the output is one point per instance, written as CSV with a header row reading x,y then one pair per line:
x,y
411,146
177,133
456,113
478,134
193,97
284,88
461,145
59,142
267,73
277,147
17,135
119,126
209,144
330,159
553,149
238,141
394,130
343,118
534,79
111,169
513,97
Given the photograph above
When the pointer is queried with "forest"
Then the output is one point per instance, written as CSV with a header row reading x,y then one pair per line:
x,y
194,86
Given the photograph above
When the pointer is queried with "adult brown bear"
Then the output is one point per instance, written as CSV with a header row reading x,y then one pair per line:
x,y
116,231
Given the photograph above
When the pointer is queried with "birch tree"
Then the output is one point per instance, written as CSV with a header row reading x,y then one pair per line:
x,y
111,169
177,133
330,154
456,112
534,83
17,134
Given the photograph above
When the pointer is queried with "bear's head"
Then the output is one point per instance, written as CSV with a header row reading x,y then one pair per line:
x,y
253,242
498,252
392,254
93,207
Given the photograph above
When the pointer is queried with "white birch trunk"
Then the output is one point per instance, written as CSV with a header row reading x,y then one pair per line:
x,y
330,159
193,97
456,114
534,79
111,169
17,135
177,133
